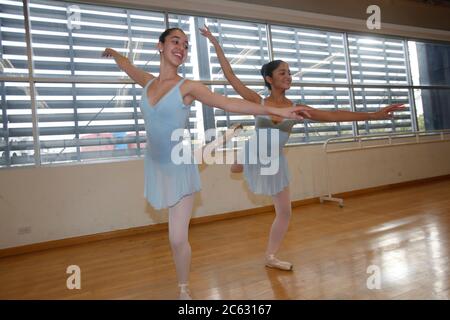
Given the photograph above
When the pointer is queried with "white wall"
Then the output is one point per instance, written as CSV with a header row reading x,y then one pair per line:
x,y
74,200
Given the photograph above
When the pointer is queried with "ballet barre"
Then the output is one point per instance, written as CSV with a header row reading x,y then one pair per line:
x,y
387,139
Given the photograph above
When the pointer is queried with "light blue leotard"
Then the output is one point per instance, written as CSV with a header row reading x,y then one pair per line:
x,y
166,183
269,184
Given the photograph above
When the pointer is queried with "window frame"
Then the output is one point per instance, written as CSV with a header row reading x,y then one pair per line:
x,y
31,79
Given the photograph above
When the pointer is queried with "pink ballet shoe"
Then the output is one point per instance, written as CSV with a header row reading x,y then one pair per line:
x,y
185,293
273,262
220,142
231,132
236,126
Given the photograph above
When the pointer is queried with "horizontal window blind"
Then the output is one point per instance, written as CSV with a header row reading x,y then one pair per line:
x,y
68,39
246,47
13,48
190,70
80,121
322,98
16,133
314,56
378,61
86,118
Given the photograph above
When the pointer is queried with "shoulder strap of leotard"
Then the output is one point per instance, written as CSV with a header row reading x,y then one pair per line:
x,y
151,80
180,82
148,83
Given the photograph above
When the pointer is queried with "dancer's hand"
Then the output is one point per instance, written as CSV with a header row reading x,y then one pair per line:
x,y
109,53
207,33
296,113
304,110
388,112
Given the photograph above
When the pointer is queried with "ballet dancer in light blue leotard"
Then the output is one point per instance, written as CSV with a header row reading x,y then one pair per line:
x,y
165,106
268,184
166,182
277,78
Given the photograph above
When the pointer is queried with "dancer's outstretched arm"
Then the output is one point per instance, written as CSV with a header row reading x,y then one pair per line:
x,y
200,92
242,89
138,75
340,115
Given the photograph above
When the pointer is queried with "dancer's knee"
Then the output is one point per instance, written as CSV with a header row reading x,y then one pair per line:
x,y
178,243
283,215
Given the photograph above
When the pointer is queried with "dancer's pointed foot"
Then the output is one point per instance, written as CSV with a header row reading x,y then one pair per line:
x,y
185,293
273,262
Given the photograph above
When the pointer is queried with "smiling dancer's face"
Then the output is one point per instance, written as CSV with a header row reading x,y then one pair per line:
x,y
175,47
281,77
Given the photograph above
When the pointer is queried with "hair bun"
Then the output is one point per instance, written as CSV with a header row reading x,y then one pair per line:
x,y
267,71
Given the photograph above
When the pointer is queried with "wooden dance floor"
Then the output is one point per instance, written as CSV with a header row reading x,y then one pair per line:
x,y
403,233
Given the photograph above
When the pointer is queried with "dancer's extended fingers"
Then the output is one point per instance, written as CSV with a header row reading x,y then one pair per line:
x,y
396,106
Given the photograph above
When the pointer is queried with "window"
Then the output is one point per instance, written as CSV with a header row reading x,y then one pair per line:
x,y
76,106
433,109
246,47
16,143
13,48
313,56
190,70
316,57
371,99
89,120
430,66
324,98
380,62
377,60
